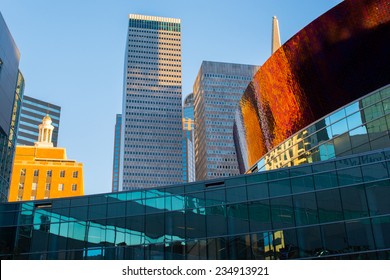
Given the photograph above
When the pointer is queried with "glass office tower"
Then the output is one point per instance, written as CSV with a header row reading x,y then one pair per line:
x,y
11,94
151,146
33,111
217,91
116,156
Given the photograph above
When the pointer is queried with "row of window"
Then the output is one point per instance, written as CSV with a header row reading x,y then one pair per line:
x,y
235,77
148,46
151,108
159,49
173,116
139,92
142,62
49,173
151,140
149,69
159,38
153,160
157,74
141,50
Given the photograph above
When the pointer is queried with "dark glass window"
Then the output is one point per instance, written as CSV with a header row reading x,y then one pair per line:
x,y
302,184
334,238
116,209
329,206
354,202
196,223
235,182
238,221
325,180
215,197
305,208
309,240
360,235
97,211
259,215
282,212
79,213
342,144
154,228
236,194
257,191
378,197
135,207
381,229
374,172
349,176
277,188
216,248
216,220
174,225
240,247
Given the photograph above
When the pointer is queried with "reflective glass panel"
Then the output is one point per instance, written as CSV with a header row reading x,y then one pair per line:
x,y
329,206
305,208
282,212
354,202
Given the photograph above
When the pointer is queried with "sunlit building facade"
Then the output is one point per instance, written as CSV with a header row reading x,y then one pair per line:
x,y
11,94
217,91
43,171
151,144
31,115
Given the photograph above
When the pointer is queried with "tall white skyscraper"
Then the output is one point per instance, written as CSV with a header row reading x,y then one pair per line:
x,y
151,114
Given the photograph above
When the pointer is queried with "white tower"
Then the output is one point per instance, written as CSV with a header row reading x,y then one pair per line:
x,y
45,133
275,35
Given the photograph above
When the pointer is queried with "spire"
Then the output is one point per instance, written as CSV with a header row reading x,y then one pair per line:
x,y
45,133
275,35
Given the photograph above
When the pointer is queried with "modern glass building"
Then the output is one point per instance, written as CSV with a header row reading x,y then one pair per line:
x,y
33,111
335,209
188,139
151,144
116,154
217,91
11,94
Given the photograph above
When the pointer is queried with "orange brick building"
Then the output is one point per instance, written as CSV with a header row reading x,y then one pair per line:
x,y
43,171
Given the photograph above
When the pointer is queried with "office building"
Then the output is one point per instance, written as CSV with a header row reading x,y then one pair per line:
x,y
151,146
329,202
188,139
11,94
43,171
116,154
31,115
217,91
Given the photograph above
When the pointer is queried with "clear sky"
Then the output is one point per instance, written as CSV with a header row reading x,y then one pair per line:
x,y
72,55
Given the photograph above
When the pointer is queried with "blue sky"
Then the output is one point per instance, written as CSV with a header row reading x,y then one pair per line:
x,y
72,55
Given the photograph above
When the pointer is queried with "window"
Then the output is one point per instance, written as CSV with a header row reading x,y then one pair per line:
x,y
62,173
75,174
36,173
34,186
21,186
47,186
23,172
74,187
19,198
48,173
32,197
60,187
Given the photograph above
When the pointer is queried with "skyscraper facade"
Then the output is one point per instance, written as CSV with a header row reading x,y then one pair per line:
x,y
116,157
31,115
151,146
11,93
188,139
217,90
